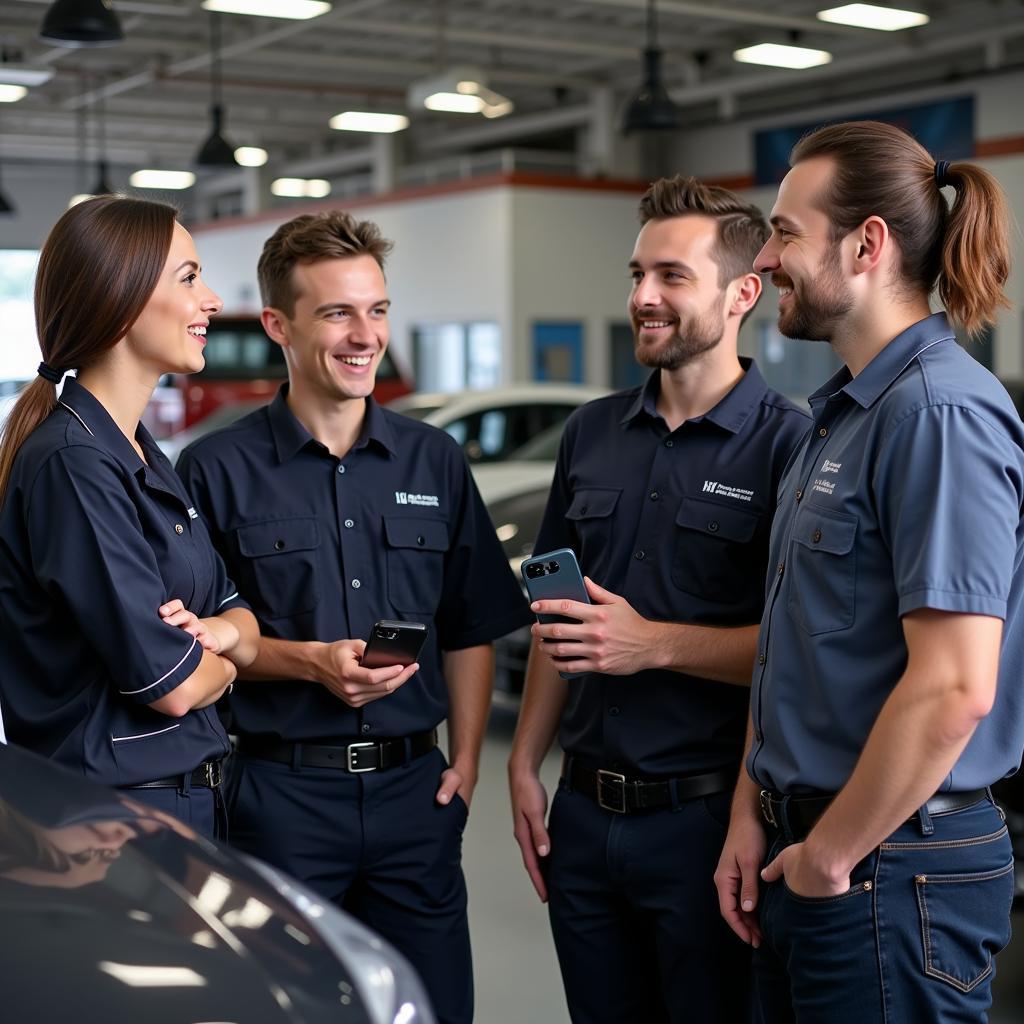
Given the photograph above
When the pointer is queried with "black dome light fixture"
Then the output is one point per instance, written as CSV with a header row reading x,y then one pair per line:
x,y
652,109
6,206
216,151
102,186
79,23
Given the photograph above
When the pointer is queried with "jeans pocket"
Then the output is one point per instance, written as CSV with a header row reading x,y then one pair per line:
x,y
965,922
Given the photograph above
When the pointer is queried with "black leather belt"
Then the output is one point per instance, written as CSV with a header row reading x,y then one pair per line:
x,y
355,757
801,813
614,792
206,776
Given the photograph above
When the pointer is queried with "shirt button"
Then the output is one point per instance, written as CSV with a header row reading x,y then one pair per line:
x,y
823,432
816,536
341,469
761,659
421,540
654,495
279,545
583,510
366,727
613,711
356,584
713,526
669,443
639,555
179,529
799,495
349,523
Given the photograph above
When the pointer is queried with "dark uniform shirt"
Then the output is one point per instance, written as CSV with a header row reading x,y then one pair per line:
x,y
907,495
677,523
323,547
92,542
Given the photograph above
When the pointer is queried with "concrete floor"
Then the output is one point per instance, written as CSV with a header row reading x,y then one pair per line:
x,y
517,980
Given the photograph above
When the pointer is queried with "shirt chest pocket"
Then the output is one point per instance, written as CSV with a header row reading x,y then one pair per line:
x,y
415,563
592,514
279,565
822,571
717,550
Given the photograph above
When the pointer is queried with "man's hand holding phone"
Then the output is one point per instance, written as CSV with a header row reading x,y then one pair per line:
x,y
348,677
610,636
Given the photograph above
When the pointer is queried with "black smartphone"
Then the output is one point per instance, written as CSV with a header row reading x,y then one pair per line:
x,y
555,576
393,643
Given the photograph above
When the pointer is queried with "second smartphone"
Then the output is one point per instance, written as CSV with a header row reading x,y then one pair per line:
x,y
555,576
393,643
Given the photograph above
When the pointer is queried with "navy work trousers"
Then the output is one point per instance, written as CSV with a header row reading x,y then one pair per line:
x,y
635,916
913,940
195,806
377,844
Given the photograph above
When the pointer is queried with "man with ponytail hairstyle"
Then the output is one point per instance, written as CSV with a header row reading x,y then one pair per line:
x,y
886,699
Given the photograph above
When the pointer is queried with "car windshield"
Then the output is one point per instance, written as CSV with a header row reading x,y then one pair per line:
x,y
542,448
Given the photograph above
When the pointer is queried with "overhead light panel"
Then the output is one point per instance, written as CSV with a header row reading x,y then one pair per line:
x,y
296,10
171,180
301,188
80,23
458,90
778,55
368,121
12,93
251,156
21,74
885,19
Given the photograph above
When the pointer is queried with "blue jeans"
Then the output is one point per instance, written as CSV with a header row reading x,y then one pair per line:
x,y
914,939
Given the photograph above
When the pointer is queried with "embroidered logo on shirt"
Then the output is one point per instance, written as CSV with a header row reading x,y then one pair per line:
x,y
726,491
831,467
826,486
425,500
193,514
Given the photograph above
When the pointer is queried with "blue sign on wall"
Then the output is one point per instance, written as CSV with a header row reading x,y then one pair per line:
x,y
945,129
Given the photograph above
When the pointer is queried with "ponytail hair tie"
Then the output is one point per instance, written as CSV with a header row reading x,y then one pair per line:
x,y
941,173
47,372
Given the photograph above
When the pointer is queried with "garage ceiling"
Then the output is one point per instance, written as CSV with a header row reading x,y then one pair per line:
x,y
283,80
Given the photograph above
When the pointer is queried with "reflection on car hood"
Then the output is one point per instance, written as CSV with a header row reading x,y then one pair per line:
x,y
500,480
114,912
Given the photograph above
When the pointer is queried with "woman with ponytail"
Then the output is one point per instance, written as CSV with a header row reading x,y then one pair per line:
x,y
887,697
118,627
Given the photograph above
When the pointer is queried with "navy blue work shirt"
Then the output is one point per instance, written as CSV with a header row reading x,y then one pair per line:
x,y
677,522
324,547
92,542
906,495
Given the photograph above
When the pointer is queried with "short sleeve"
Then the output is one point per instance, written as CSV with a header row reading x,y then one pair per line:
x,y
480,599
89,551
949,494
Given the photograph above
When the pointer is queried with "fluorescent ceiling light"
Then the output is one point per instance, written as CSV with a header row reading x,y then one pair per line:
x,y
297,10
20,74
460,90
454,102
305,188
12,93
885,19
251,156
368,121
162,179
777,55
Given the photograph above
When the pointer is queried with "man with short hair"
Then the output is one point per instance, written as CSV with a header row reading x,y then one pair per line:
x,y
666,494
335,513
887,695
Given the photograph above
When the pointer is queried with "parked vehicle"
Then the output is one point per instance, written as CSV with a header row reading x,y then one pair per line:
x,y
115,912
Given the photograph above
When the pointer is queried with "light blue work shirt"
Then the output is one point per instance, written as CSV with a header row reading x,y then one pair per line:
x,y
907,494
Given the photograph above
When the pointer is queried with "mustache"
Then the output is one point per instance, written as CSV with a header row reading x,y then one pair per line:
x,y
780,281
653,314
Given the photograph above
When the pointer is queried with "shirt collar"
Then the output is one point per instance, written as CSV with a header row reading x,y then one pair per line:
x,y
290,436
730,413
872,382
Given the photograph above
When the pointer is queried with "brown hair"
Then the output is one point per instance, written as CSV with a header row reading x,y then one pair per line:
x,y
310,238
882,171
97,270
742,228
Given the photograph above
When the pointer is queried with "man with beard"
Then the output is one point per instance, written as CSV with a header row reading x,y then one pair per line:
x,y
666,494
886,698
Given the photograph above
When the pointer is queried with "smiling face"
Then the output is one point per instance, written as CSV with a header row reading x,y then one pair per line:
x,y
676,305
337,334
170,334
804,260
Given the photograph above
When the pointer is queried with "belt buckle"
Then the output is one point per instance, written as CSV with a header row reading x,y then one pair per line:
x,y
351,755
766,808
606,779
